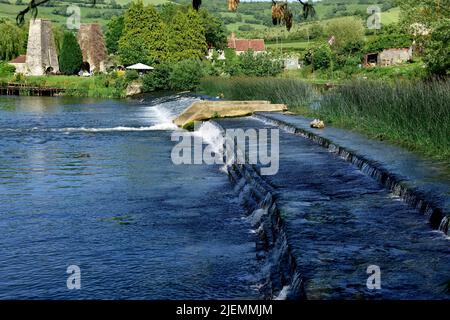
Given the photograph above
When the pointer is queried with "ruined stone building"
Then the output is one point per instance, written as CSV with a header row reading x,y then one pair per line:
x,y
42,57
92,44
388,57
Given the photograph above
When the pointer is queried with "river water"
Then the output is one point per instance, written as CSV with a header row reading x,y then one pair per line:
x,y
91,183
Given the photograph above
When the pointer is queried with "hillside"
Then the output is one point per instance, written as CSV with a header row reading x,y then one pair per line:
x,y
250,16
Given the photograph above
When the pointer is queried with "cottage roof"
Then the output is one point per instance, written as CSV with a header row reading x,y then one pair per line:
x,y
20,59
257,45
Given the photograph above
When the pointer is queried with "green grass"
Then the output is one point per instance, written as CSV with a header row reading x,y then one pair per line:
x,y
99,86
390,16
276,90
415,115
302,45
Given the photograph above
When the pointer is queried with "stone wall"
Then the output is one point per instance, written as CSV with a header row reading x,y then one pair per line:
x,y
92,44
41,49
395,56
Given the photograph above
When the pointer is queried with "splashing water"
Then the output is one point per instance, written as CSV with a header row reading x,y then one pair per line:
x,y
163,119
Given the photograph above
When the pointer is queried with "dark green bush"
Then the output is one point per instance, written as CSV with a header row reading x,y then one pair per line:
x,y
71,58
321,57
158,79
186,74
6,69
131,75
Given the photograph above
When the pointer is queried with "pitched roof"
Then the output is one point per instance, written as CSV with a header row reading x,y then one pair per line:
x,y
140,66
20,59
246,44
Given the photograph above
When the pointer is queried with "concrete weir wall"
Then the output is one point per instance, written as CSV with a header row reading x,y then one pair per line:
x,y
438,217
205,110
282,277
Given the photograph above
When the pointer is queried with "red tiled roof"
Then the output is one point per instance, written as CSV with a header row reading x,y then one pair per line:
x,y
246,44
19,59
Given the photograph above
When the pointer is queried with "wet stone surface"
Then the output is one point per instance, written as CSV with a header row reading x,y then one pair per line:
x,y
340,221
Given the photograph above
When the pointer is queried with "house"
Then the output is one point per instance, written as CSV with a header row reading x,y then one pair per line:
x,y
244,45
20,63
388,57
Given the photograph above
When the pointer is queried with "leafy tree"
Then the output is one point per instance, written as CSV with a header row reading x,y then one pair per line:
x,y
428,22
425,12
215,31
437,49
144,37
186,36
12,40
167,11
71,58
113,33
348,29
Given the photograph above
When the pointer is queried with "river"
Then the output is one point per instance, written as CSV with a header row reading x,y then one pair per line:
x,y
91,183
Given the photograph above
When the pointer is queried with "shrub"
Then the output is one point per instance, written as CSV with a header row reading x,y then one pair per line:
x,y
259,65
186,75
6,69
158,79
131,75
321,57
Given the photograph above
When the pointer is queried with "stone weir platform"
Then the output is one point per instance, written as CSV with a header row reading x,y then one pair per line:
x,y
205,110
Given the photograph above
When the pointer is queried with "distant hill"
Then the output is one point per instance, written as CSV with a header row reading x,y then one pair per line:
x,y
250,16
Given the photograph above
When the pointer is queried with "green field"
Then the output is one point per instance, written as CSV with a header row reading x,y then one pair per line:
x,y
390,16
11,10
255,16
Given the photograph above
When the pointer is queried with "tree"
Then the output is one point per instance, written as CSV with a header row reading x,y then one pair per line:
x,y
215,31
144,37
437,49
345,30
427,21
113,33
12,40
186,36
71,58
424,12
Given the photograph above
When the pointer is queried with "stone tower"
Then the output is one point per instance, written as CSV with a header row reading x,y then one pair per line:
x,y
41,50
92,44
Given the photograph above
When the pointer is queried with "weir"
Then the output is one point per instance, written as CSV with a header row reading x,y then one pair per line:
x,y
321,223
205,110
419,183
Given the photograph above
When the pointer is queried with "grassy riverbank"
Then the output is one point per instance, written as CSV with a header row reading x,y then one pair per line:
x,y
98,86
415,115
